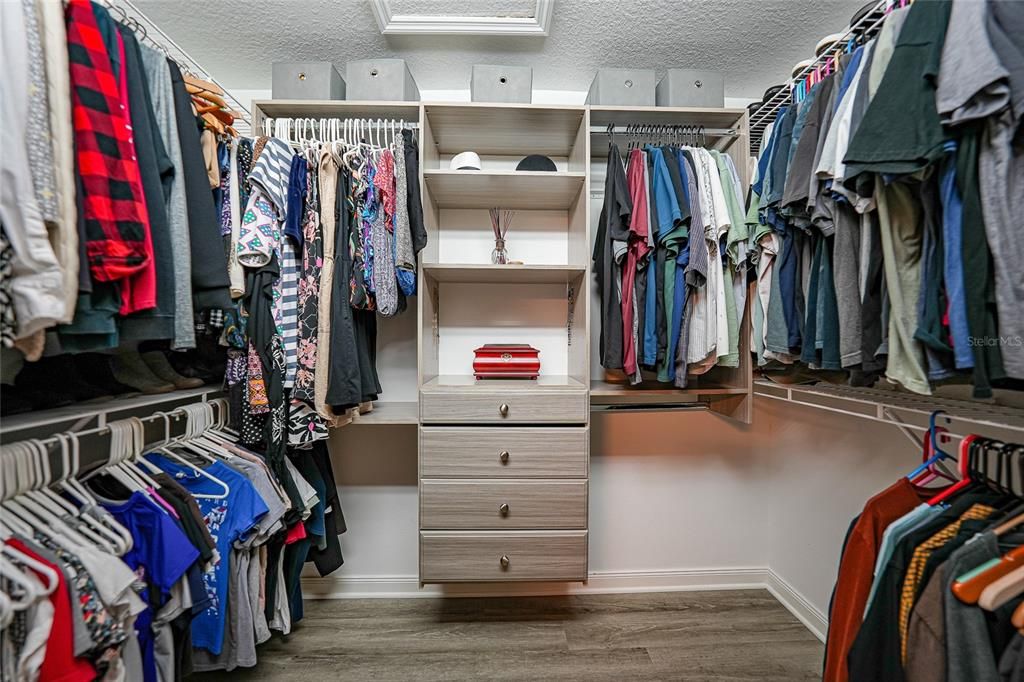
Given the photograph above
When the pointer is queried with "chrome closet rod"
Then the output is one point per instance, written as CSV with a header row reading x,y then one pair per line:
x,y
665,129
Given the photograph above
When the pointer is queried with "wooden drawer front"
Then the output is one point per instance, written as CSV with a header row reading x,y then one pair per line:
x,y
477,556
521,407
503,504
473,452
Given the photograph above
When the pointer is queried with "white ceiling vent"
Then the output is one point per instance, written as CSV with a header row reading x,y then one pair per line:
x,y
439,17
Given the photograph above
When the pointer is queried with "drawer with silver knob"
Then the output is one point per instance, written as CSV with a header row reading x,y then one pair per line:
x,y
520,406
513,452
468,556
497,504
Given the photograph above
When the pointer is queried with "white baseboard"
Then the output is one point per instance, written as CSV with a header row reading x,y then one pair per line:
x,y
797,604
600,582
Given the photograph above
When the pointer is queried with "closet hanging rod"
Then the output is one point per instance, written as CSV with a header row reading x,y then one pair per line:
x,y
663,130
97,455
163,42
865,26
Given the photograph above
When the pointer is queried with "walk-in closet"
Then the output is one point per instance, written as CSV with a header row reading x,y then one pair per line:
x,y
518,340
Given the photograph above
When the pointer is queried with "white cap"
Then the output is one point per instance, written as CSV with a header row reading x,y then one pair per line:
x,y
465,161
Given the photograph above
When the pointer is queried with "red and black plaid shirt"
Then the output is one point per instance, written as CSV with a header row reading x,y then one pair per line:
x,y
116,222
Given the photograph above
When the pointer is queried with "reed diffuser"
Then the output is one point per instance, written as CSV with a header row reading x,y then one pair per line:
x,y
500,222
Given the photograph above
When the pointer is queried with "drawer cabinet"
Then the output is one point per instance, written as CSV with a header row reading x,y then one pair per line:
x,y
542,406
497,504
447,556
503,481
482,452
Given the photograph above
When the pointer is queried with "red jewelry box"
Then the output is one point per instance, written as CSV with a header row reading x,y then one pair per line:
x,y
506,361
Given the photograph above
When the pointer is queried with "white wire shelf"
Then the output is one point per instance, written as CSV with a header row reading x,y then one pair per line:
x,y
963,417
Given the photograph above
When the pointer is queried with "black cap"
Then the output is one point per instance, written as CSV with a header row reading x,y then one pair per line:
x,y
536,162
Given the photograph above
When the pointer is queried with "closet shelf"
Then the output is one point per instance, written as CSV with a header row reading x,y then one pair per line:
x,y
537,190
467,383
899,407
389,413
502,274
504,129
308,108
613,393
85,415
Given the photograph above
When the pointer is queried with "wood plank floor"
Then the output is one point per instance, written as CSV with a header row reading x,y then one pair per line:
x,y
728,635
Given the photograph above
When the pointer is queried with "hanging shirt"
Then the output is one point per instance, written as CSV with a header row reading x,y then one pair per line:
x,y
228,519
59,662
612,235
637,251
160,555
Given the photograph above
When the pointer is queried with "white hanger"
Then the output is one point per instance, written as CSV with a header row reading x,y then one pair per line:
x,y
118,536
181,460
30,587
55,505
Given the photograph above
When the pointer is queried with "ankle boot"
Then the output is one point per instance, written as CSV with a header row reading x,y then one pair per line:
x,y
160,366
130,369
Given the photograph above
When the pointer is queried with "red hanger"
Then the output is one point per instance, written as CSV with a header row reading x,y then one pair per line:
x,y
965,474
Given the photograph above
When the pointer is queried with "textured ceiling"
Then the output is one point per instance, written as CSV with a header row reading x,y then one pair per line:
x,y
753,42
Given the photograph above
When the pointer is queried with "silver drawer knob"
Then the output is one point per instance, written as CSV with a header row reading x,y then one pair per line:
x,y
503,509
503,561
503,456
503,409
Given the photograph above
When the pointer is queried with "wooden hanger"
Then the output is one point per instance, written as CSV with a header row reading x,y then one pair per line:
x,y
1002,590
202,85
969,591
207,95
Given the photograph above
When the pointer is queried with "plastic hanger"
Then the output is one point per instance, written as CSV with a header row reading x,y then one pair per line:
x,y
1003,589
181,460
55,505
107,526
965,474
31,588
969,587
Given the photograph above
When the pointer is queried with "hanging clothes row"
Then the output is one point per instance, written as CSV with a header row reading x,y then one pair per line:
x,y
670,258
182,560
108,225
929,587
324,237
883,202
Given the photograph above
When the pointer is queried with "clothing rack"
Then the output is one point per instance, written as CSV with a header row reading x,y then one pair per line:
x,y
860,31
151,34
677,133
298,130
93,444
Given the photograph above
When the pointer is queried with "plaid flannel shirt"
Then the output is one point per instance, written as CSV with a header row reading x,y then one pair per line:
x,y
116,222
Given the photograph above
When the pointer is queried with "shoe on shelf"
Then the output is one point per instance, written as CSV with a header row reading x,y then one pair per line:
x,y
130,369
95,368
58,373
161,367
13,401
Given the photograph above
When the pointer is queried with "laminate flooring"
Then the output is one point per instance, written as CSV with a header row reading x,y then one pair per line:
x,y
714,635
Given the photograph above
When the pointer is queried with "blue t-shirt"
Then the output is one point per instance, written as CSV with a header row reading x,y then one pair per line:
x,y
161,553
953,264
228,519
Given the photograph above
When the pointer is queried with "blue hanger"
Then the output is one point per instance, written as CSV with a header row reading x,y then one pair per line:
x,y
937,453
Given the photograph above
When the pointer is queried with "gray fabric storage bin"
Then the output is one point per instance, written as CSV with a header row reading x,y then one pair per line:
x,y
501,84
306,80
380,80
624,87
691,88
